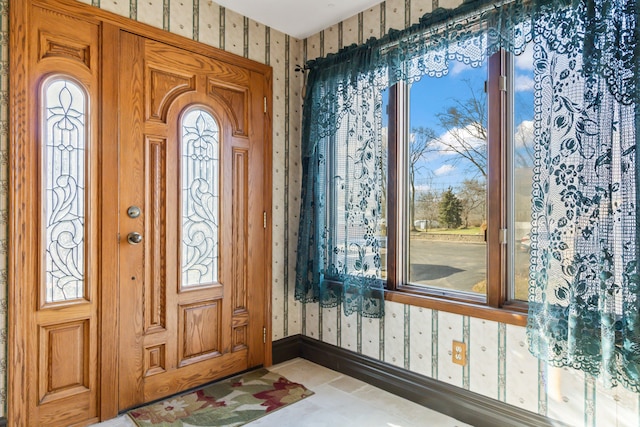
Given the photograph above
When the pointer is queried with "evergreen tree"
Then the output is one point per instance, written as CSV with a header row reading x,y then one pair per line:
x,y
450,209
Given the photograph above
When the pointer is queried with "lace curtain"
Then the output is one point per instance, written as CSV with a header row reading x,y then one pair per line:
x,y
583,293
583,304
338,251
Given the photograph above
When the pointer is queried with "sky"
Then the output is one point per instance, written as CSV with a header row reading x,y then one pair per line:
x,y
431,95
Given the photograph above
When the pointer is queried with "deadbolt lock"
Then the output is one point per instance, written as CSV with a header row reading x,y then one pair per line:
x,y
133,212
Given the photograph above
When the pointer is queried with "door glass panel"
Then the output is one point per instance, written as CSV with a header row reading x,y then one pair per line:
x,y
64,137
200,192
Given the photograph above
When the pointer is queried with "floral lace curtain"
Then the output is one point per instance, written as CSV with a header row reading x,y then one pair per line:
x,y
583,293
583,304
338,249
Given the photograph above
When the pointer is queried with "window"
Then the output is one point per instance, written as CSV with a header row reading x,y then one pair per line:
x,y
417,169
460,161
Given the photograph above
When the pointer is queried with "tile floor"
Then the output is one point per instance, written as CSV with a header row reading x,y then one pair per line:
x,y
338,401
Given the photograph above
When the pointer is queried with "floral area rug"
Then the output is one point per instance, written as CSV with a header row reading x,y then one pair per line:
x,y
232,402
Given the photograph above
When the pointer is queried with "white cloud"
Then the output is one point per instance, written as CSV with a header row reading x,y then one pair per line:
x,y
444,170
453,138
458,67
524,61
524,134
523,84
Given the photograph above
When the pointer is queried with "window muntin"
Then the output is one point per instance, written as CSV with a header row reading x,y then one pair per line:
x,y
200,197
65,140
445,164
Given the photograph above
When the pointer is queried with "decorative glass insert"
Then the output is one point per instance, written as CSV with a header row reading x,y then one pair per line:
x,y
64,137
200,192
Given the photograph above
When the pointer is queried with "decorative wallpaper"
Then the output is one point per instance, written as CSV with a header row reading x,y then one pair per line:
x,y
417,339
420,340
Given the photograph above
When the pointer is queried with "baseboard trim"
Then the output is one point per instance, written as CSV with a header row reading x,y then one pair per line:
x,y
286,349
466,406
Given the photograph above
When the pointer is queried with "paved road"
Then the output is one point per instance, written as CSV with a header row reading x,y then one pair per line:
x,y
451,265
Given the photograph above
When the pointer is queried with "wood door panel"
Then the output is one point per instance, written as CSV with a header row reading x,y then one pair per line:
x,y
155,360
155,314
68,38
192,334
235,100
163,87
64,360
60,46
200,331
239,229
61,335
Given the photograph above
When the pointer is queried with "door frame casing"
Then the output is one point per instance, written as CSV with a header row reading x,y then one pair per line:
x,y
22,225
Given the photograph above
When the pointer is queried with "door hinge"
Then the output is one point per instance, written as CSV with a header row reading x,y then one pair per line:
x,y
264,335
486,86
503,236
502,82
264,219
265,104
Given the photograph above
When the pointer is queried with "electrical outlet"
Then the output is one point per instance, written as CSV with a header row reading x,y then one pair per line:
x,y
459,353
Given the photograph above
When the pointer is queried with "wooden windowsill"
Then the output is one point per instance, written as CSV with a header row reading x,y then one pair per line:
x,y
510,315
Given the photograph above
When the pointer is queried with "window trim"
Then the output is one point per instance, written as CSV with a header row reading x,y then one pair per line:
x,y
496,306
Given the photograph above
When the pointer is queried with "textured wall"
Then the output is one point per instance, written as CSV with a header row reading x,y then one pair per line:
x,y
500,365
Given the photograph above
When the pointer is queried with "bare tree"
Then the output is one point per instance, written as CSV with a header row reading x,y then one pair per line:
x,y
466,136
420,143
428,203
472,195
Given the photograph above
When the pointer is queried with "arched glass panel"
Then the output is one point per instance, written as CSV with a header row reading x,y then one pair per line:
x,y
200,192
65,138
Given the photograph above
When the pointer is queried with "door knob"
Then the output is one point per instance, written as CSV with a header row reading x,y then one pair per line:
x,y
134,238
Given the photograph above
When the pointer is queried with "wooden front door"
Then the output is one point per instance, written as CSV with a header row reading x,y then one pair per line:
x,y
191,168
139,262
